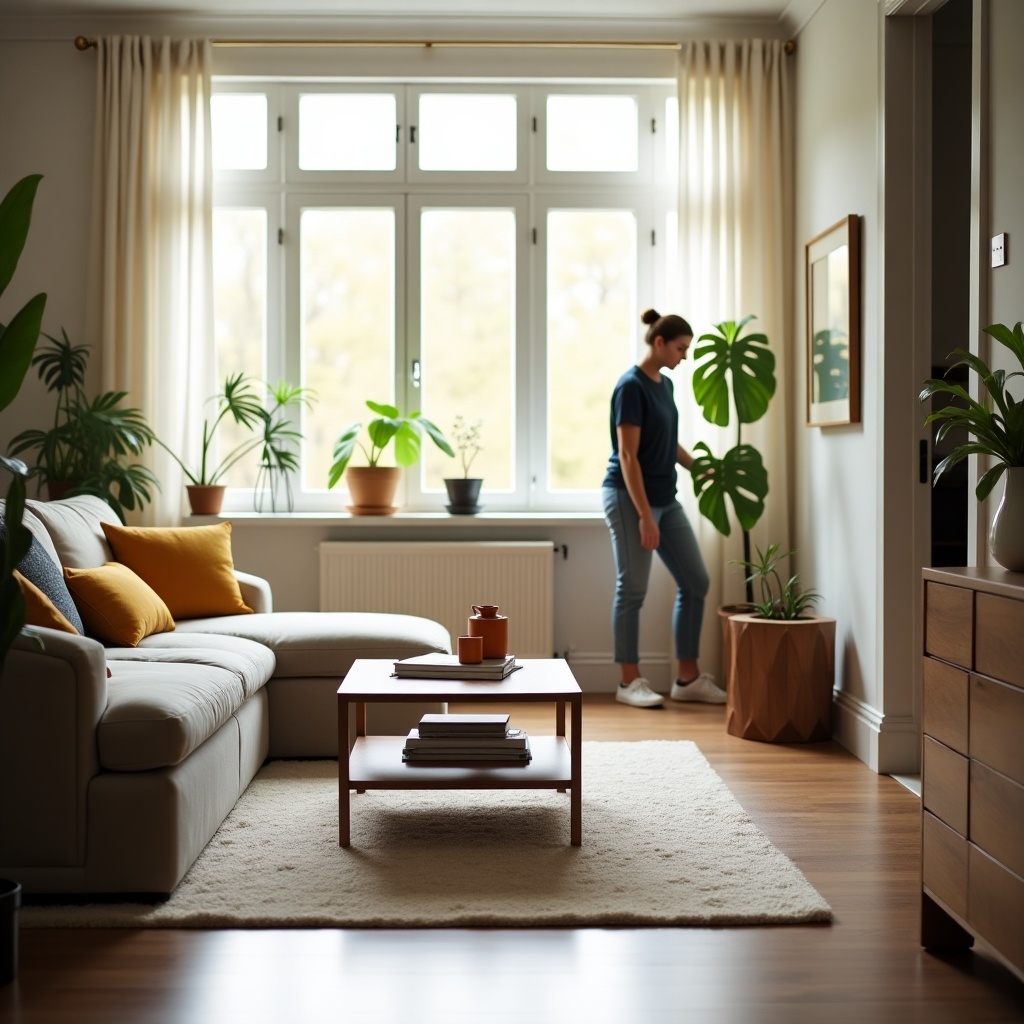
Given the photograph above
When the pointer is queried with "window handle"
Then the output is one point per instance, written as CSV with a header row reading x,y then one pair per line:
x,y
412,134
416,373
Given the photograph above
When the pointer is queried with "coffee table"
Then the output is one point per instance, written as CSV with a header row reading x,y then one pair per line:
x,y
375,762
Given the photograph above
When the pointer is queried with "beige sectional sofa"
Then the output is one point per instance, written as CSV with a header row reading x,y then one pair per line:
x,y
118,764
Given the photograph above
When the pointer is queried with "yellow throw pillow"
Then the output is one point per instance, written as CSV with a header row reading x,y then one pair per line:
x,y
39,609
116,606
190,567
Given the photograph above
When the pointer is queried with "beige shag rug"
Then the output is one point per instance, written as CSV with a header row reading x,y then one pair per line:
x,y
664,843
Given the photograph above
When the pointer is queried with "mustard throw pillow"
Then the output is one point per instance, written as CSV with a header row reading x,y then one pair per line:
x,y
117,606
190,567
39,609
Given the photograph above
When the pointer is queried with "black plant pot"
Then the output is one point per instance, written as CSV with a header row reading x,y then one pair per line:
x,y
463,495
10,902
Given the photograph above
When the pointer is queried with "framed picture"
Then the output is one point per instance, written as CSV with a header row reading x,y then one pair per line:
x,y
833,325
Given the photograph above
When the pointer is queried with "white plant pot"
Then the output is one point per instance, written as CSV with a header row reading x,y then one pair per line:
x,y
1006,539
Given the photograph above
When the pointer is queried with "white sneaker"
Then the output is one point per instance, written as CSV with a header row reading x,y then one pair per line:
x,y
703,689
639,694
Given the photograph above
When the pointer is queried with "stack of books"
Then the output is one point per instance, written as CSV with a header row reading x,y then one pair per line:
x,y
448,739
448,666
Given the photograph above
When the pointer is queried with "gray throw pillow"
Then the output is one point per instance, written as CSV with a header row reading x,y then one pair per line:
x,y
39,568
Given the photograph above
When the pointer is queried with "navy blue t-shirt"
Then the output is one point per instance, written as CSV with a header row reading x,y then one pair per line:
x,y
651,406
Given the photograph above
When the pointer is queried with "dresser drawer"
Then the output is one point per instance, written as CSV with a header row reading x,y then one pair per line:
x,y
997,817
996,738
944,863
949,623
945,784
999,632
996,904
945,704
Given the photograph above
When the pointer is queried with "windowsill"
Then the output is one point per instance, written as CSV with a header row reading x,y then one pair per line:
x,y
427,520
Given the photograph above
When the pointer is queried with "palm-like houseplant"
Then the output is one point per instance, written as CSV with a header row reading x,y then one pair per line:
x,y
406,430
735,372
279,457
17,343
241,401
995,427
89,447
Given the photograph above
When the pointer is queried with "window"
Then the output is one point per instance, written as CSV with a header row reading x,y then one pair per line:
x,y
457,248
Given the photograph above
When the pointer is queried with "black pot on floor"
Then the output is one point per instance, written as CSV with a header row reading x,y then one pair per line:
x,y
10,903
463,495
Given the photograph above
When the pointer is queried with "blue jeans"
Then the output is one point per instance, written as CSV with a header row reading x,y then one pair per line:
x,y
678,549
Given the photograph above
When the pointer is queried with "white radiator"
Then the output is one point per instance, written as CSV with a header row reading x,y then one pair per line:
x,y
442,580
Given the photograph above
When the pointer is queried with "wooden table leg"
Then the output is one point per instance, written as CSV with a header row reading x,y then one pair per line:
x,y
361,726
344,795
576,761
560,724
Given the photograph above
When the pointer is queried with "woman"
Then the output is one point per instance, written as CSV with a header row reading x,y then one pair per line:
x,y
644,516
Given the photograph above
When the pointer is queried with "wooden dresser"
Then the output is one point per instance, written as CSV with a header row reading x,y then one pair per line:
x,y
972,765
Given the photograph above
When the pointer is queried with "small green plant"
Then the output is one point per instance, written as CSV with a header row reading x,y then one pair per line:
x,y
279,457
778,600
996,424
241,401
406,430
92,440
467,441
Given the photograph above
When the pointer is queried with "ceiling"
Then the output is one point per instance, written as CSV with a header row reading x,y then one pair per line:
x,y
711,11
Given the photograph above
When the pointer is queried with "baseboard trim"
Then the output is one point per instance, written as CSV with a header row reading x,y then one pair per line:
x,y
596,671
888,744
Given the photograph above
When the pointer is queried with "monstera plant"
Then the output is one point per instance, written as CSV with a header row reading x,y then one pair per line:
x,y
17,342
735,374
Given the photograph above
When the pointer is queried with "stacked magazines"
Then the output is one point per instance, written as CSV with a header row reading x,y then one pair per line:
x,y
447,739
448,666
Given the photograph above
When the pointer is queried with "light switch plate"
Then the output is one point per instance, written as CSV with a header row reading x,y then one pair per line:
x,y
999,249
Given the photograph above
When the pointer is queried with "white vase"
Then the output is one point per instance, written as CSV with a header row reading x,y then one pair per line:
x,y
1006,539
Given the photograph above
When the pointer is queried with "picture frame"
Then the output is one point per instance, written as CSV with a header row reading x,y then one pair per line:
x,y
833,325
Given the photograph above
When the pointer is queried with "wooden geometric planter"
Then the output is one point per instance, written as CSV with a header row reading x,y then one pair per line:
x,y
780,679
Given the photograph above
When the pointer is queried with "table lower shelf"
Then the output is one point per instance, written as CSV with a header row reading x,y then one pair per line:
x,y
376,763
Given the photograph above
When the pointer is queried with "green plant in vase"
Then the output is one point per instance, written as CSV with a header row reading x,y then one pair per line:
x,y
464,491
279,456
779,600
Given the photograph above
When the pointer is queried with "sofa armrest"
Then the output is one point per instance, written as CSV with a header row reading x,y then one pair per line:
x,y
256,592
53,691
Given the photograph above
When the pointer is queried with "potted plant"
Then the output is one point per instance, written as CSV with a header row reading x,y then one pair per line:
x,y
86,450
995,427
279,457
733,372
464,491
372,487
240,402
17,343
783,660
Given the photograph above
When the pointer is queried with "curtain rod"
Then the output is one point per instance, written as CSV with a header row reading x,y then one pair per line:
x,y
83,43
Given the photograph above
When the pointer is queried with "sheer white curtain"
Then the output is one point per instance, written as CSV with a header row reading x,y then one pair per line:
x,y
736,258
151,287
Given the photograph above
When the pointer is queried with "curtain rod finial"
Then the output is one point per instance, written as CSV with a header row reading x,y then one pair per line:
x,y
81,43
789,46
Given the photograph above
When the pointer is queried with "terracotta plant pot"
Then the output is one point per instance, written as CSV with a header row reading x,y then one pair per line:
x,y
372,489
463,495
205,500
56,489
782,674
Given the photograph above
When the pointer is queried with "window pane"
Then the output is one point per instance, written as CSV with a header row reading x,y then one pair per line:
x,y
592,133
467,133
347,326
347,131
239,315
239,125
591,332
468,261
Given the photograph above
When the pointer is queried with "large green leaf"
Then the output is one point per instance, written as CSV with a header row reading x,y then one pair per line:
x,y
744,362
17,342
739,476
15,217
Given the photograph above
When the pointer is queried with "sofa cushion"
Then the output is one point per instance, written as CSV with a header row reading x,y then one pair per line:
x,y
74,527
311,644
189,567
159,712
117,606
40,610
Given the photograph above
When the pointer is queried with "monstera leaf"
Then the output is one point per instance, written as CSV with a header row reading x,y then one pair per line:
x,y
744,362
740,476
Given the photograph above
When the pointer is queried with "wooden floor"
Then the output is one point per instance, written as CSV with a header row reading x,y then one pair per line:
x,y
853,833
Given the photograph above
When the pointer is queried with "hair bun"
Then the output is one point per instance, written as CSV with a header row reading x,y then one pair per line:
x,y
649,316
